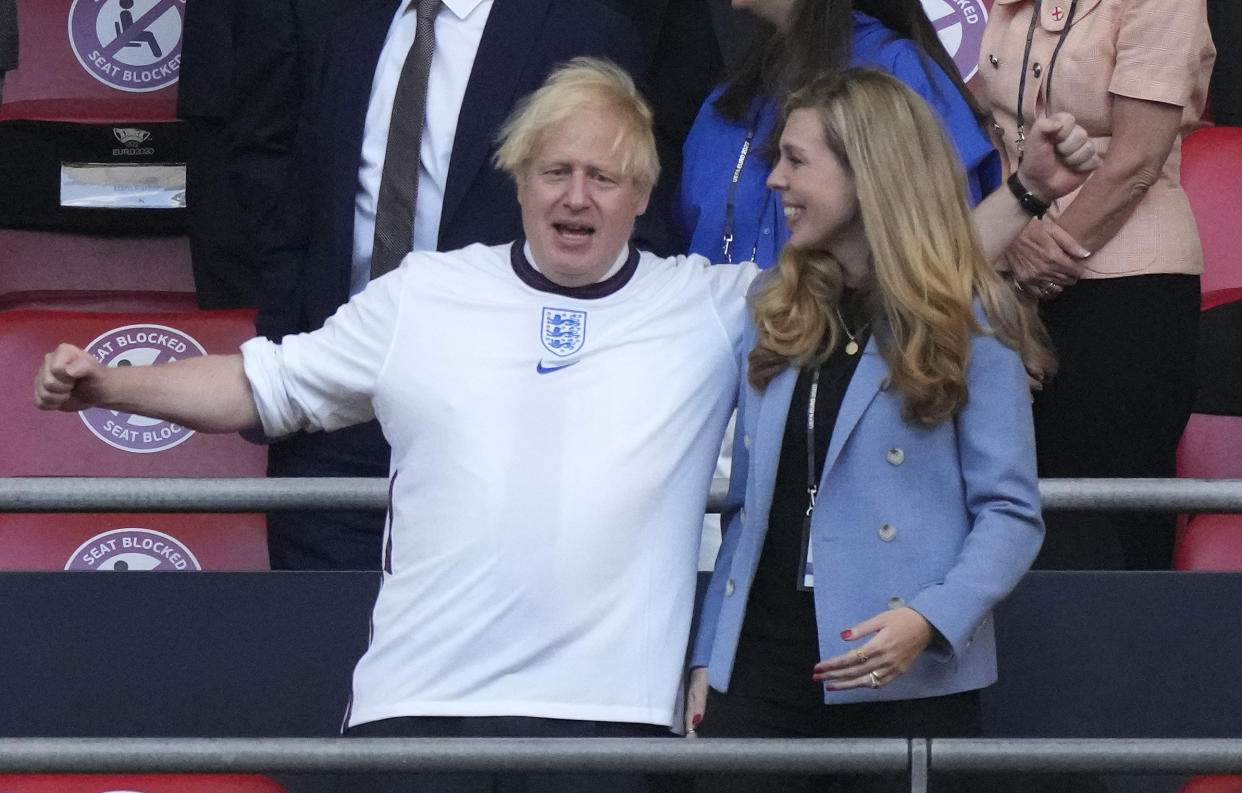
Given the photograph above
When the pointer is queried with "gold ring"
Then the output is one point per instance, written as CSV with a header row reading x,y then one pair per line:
x,y
875,680
862,657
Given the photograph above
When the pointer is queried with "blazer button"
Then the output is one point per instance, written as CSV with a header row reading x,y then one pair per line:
x,y
742,514
887,533
895,457
729,588
896,603
746,442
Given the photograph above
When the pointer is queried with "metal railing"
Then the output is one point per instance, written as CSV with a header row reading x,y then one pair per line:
x,y
133,494
918,758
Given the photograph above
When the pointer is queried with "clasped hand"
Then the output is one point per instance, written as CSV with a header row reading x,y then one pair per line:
x,y
1044,259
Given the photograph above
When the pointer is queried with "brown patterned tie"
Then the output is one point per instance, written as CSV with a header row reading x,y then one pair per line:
x,y
394,211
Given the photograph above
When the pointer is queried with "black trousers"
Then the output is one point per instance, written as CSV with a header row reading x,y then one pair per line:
x,y
328,539
952,716
1116,408
751,715
499,727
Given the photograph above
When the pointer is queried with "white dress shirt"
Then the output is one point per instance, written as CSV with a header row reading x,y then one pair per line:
x,y
459,28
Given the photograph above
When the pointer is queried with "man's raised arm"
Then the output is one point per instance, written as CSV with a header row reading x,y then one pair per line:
x,y
209,393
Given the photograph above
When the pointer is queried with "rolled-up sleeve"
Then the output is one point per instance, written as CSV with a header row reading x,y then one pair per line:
x,y
327,379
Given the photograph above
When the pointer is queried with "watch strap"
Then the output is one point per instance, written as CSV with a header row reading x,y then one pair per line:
x,y
1032,204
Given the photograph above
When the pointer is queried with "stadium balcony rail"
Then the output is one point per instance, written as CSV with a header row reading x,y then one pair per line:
x,y
205,494
918,759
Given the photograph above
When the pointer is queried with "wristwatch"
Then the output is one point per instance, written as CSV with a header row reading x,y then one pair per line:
x,y
1032,204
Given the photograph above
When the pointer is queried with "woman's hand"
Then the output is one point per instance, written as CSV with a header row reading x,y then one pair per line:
x,y
899,636
696,699
1044,259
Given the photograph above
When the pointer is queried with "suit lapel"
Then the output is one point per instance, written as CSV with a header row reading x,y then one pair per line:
x,y
863,388
510,35
345,98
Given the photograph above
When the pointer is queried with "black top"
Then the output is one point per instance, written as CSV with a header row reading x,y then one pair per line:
x,y
778,646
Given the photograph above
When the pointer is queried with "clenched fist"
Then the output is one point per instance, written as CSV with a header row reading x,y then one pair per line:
x,y
69,380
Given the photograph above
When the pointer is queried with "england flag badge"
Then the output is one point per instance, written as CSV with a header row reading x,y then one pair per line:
x,y
564,331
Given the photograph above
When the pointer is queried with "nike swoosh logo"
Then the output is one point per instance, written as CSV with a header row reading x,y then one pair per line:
x,y
541,369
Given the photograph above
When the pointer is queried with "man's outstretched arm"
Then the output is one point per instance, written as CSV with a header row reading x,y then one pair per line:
x,y
209,393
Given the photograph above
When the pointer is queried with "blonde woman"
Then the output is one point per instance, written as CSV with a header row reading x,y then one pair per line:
x,y
884,495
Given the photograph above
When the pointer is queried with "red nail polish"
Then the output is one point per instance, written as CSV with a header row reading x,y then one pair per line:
x,y
698,717
846,634
829,688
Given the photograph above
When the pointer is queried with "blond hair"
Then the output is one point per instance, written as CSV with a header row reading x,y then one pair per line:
x,y
581,85
928,263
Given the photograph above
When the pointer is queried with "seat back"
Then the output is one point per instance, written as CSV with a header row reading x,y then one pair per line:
x,y
88,131
1214,783
100,442
1210,448
137,783
36,265
70,51
1209,542
1211,160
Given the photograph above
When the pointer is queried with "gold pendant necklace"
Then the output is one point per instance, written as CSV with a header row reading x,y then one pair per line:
x,y
851,346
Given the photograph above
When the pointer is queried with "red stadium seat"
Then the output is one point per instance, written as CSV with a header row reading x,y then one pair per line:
x,y
98,442
90,143
137,783
1224,783
1211,160
1211,448
98,300
91,153
1210,542
58,262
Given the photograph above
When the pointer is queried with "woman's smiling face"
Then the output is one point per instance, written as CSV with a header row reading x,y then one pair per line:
x,y
819,197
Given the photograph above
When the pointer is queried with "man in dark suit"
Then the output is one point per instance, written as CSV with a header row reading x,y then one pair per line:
x,y
309,253
239,93
1225,17
8,39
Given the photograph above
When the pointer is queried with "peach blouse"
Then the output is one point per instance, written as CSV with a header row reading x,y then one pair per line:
x,y
1157,50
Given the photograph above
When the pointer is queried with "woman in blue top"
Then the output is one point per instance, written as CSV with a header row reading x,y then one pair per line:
x,y
725,210
884,495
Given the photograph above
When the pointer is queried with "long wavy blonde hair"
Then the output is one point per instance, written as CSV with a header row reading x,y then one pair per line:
x,y
926,256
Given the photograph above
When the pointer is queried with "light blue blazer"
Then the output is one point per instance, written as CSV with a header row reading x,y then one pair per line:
x,y
943,519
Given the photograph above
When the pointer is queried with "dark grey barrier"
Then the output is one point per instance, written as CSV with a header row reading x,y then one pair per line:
x,y
1082,655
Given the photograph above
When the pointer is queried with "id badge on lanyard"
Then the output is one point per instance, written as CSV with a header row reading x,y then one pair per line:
x,y
806,572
